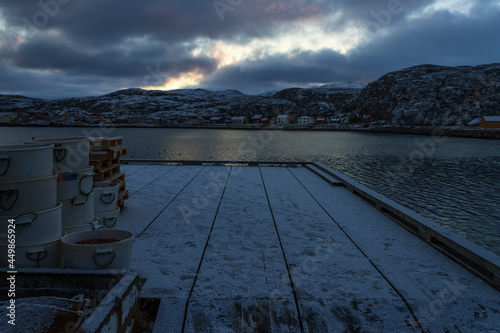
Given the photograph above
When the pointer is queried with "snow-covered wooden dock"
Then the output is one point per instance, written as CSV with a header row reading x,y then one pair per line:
x,y
279,249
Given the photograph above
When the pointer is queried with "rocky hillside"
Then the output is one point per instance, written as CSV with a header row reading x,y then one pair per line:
x,y
317,101
431,95
421,95
11,103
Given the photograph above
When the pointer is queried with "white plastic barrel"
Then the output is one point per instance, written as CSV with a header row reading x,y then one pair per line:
x,y
115,255
75,183
78,211
36,227
70,153
24,196
42,255
23,162
106,196
109,220
90,226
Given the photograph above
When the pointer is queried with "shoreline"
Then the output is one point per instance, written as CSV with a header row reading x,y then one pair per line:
x,y
462,132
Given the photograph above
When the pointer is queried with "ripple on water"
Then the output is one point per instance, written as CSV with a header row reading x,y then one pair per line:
x,y
461,194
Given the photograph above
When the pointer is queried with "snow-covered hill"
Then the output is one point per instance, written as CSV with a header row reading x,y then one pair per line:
x,y
317,101
431,95
419,95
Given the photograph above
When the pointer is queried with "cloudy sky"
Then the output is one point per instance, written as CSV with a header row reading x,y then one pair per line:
x,y
65,48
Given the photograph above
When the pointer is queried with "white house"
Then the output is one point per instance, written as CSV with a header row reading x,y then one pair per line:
x,y
216,120
305,120
239,120
283,119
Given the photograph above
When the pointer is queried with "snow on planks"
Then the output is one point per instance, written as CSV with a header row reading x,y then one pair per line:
x,y
327,266
170,248
441,293
279,249
243,281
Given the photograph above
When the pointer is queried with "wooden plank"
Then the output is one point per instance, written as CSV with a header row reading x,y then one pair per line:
x,y
130,169
107,172
122,185
243,275
111,154
96,164
441,292
104,143
144,176
337,287
154,196
120,176
217,162
122,196
170,250
109,163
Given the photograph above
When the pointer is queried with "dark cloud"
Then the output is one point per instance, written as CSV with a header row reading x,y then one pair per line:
x,y
376,14
93,47
283,70
53,53
112,21
441,39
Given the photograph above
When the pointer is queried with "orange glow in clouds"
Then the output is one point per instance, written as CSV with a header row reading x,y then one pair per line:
x,y
189,79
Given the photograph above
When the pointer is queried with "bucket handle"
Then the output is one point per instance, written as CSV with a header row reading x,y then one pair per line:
x,y
7,165
80,185
105,221
108,198
37,255
6,195
95,225
103,253
28,218
76,202
58,156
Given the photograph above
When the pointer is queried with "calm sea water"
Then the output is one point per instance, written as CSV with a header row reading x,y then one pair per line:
x,y
453,181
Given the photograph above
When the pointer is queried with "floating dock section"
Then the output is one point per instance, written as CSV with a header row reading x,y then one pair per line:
x,y
297,247
236,246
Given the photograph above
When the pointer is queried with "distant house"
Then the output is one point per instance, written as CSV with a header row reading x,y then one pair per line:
x,y
335,120
239,120
283,119
257,119
305,120
122,120
188,116
216,120
490,122
320,121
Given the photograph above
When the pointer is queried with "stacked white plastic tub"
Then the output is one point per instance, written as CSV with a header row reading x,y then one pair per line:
x,y
28,196
75,182
105,204
69,153
86,244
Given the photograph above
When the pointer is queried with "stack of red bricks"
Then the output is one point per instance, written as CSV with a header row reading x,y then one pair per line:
x,y
105,154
